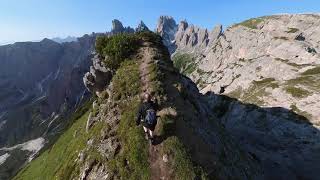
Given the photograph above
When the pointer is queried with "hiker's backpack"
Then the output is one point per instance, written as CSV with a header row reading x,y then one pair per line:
x,y
151,117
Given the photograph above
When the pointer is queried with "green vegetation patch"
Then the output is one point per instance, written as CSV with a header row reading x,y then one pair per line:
x,y
237,93
201,72
310,79
59,161
311,82
258,90
267,82
115,49
132,161
126,81
251,23
292,30
297,92
312,71
185,63
181,163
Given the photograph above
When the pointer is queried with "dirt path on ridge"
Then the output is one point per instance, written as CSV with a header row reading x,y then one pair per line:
x,y
159,169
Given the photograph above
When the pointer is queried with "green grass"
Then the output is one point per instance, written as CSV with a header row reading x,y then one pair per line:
x,y
311,82
237,93
179,157
155,77
126,81
297,92
292,30
251,23
185,63
313,71
132,161
309,79
181,161
257,91
58,162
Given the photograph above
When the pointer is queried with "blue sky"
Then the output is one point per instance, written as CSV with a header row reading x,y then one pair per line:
x,y
23,20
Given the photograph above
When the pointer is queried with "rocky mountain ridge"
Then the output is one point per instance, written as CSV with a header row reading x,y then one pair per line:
x,y
267,69
221,59
258,132
190,142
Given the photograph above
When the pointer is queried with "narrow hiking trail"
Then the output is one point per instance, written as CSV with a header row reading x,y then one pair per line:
x,y
159,168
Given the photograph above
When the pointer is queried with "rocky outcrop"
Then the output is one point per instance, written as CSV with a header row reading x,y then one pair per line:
x,y
189,37
185,37
98,77
267,68
117,27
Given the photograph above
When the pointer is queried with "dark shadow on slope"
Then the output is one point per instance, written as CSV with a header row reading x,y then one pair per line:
x,y
225,101
167,129
285,143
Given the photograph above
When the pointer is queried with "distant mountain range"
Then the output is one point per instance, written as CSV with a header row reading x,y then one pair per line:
x,y
63,40
55,39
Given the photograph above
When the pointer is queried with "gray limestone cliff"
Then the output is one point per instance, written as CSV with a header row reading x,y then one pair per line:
x,y
261,77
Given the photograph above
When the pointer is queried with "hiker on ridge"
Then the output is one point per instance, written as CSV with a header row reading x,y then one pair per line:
x,y
147,116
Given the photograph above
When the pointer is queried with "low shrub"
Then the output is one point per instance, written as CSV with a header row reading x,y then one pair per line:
x,y
115,49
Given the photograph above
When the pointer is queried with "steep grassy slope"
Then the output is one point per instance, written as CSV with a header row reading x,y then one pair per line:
x,y
57,162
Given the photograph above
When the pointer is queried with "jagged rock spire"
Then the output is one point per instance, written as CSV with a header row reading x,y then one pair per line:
x,y
117,27
142,27
167,28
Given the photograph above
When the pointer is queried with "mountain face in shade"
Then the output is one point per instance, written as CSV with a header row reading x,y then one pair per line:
x,y
41,84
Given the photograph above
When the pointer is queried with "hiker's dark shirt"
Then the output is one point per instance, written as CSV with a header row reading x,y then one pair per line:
x,y
143,110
